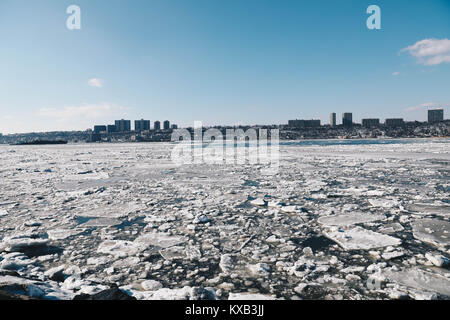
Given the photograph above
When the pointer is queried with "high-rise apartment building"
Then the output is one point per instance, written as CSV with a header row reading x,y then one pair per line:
x,y
436,115
347,119
123,125
333,119
141,125
157,125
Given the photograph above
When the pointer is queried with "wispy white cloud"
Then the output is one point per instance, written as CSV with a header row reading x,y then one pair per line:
x,y
428,105
86,111
396,73
430,52
96,82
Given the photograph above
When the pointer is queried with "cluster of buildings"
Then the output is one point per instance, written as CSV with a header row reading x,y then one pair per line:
x,y
434,116
121,126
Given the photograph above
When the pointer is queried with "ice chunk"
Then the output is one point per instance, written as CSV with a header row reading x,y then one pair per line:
x,y
202,218
61,234
101,222
258,202
425,209
307,265
159,239
119,248
437,259
392,255
98,261
420,279
290,209
259,269
384,203
3,212
176,252
20,243
349,219
185,293
391,228
227,263
56,273
249,296
432,231
361,239
151,285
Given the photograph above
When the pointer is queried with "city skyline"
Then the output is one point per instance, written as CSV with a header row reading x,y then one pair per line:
x,y
124,125
224,63
433,116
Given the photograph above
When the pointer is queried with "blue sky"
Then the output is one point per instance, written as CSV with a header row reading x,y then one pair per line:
x,y
219,61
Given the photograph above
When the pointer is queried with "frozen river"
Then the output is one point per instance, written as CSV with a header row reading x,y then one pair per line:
x,y
340,220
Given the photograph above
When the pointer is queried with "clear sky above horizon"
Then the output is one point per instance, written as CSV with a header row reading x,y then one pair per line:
x,y
219,61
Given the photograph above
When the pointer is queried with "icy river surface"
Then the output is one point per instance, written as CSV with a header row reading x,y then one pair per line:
x,y
340,220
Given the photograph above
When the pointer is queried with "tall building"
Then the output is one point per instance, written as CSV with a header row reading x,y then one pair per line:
x,y
141,125
123,125
394,122
157,125
436,115
347,119
174,126
369,123
110,128
98,129
304,123
166,125
333,119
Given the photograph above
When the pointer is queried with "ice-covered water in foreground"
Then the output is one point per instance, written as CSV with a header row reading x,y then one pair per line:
x,y
338,221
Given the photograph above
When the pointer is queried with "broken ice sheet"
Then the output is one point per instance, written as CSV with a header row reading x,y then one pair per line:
x,y
350,218
119,248
100,222
250,296
432,231
159,239
176,252
384,203
361,239
171,199
428,209
111,211
421,279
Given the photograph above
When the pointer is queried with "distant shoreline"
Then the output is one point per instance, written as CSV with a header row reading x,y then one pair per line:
x,y
282,141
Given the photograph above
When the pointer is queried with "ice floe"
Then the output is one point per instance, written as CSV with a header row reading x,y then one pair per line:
x,y
361,239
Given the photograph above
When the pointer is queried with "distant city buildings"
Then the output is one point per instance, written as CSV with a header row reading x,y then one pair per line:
x,y
157,125
110,128
304,123
143,129
98,129
370,123
141,125
347,119
123,125
166,125
398,122
436,115
333,119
